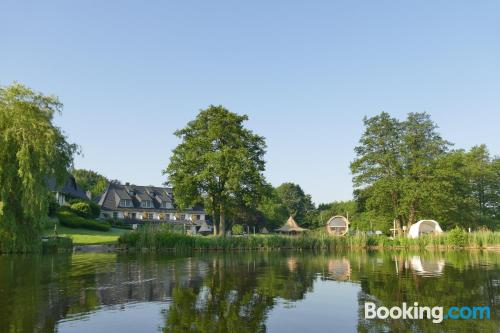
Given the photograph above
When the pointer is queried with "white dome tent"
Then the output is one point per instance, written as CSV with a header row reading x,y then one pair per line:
x,y
424,227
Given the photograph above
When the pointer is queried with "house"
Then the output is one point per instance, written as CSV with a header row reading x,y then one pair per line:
x,y
70,190
146,204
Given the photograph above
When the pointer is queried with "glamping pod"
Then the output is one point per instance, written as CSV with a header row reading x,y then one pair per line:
x,y
290,227
337,226
427,267
424,227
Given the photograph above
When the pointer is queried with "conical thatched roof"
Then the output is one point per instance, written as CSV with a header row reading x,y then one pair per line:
x,y
290,226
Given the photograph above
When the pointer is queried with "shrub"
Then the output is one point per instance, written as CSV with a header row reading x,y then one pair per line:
x,y
57,244
89,208
237,229
82,209
53,207
69,219
457,237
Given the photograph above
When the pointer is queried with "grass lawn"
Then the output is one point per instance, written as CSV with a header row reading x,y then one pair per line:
x,y
85,236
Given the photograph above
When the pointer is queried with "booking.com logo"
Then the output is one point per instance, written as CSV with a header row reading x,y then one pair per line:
x,y
435,313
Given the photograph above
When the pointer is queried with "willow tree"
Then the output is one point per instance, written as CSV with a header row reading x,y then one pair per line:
x,y
31,150
219,162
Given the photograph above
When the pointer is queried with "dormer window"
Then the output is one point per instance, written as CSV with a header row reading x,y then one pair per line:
x,y
125,203
166,205
147,204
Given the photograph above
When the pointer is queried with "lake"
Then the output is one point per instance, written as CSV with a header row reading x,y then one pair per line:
x,y
243,292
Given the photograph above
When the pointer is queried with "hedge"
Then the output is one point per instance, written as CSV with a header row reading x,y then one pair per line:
x,y
68,219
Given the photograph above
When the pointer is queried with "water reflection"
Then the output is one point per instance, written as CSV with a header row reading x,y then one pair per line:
x,y
240,292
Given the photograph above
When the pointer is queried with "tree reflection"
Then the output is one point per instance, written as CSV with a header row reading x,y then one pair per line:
x,y
236,292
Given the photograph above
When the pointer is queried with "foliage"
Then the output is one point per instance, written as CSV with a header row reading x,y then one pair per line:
x,y
404,170
297,203
90,181
57,245
218,162
155,239
69,219
274,211
457,237
53,207
32,150
85,208
81,209
237,229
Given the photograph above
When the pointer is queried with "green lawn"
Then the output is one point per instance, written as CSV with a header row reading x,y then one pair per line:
x,y
85,236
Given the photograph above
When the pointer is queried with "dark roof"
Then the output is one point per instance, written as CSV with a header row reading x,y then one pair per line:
x,y
110,199
70,188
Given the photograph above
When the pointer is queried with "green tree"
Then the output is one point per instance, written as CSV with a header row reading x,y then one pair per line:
x,y
297,203
421,147
378,168
219,162
90,181
274,211
394,168
31,150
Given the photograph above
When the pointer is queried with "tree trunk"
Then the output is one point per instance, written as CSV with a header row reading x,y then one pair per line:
x,y
214,222
222,222
411,216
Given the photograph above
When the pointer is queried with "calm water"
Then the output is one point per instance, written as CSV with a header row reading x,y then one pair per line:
x,y
242,292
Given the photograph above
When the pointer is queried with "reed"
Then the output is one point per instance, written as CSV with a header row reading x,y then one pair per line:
x,y
158,239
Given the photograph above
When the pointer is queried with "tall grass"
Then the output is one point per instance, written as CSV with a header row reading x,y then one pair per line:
x,y
158,239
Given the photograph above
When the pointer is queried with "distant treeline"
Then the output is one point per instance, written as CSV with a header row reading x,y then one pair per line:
x,y
403,171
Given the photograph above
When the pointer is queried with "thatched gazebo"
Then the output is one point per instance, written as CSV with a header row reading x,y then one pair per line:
x,y
264,231
291,227
337,226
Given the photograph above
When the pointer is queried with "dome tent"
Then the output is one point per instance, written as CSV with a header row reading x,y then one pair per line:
x,y
424,227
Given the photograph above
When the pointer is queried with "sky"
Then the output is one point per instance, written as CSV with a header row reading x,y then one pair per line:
x,y
305,72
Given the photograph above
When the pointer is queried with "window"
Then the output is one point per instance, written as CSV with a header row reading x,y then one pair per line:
x,y
125,203
166,205
183,216
115,215
150,216
146,204
167,217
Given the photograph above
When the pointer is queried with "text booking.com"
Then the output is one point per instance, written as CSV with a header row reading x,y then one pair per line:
x,y
436,313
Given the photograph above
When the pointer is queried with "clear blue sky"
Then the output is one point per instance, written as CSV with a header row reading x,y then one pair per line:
x,y
306,72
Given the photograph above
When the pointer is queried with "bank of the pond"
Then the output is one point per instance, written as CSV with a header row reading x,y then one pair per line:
x,y
148,239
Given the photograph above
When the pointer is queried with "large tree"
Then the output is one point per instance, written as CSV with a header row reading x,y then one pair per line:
x,y
32,149
90,181
394,167
297,203
219,162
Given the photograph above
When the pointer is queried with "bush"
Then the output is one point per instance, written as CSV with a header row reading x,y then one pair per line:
x,y
57,244
53,207
237,229
85,208
82,209
69,219
457,237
